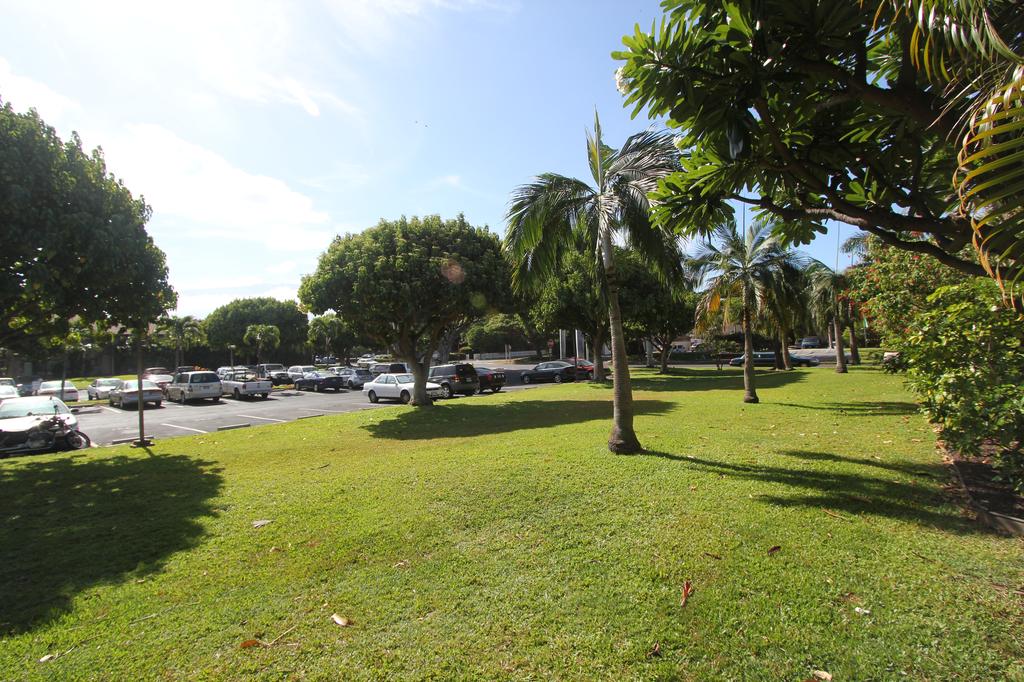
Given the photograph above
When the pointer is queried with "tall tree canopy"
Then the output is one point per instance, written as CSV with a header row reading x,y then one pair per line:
x,y
832,110
405,282
74,241
227,324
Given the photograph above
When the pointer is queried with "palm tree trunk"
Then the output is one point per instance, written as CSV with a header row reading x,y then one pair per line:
x,y
837,333
666,350
784,342
749,392
622,439
854,352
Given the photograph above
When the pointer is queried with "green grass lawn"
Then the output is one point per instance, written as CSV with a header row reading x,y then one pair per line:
x,y
495,537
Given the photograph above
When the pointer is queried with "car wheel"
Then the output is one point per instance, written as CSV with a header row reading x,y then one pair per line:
x,y
495,389
216,400
588,376
526,378
469,393
446,391
558,378
238,394
405,397
372,396
159,403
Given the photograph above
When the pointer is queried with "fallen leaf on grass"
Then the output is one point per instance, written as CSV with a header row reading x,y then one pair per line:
x,y
655,651
47,658
713,556
850,598
822,675
249,643
341,621
774,549
401,564
260,523
861,612
693,487
687,591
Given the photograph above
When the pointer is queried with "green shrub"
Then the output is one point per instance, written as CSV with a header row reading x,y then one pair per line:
x,y
965,359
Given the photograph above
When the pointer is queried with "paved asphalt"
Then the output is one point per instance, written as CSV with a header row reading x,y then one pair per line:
x,y
104,424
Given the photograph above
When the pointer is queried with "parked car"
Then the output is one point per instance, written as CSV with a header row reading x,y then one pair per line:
x,y
100,389
8,381
53,388
457,378
156,370
185,368
161,380
299,371
767,359
28,385
354,377
555,370
490,379
128,394
810,342
37,424
238,384
584,369
366,360
397,386
388,368
325,360
228,369
319,380
7,391
194,386
275,371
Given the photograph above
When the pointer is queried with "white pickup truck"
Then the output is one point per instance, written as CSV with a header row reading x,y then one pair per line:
x,y
238,384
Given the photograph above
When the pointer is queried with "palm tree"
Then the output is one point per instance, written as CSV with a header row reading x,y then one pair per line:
x,y
740,269
547,216
261,336
181,334
825,286
784,306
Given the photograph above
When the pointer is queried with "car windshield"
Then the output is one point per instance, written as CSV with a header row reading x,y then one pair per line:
x,y
108,382
26,407
8,391
203,378
273,368
403,378
160,377
363,372
558,365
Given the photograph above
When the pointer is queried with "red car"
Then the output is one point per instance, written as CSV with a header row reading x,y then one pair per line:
x,y
584,369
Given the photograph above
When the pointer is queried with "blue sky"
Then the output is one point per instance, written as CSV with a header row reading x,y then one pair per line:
x,y
258,130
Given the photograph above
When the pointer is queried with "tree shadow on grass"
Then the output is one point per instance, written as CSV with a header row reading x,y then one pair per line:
x,y
71,523
855,496
711,379
862,408
465,419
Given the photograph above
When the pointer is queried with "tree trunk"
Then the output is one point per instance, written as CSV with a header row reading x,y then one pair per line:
x,y
749,392
854,352
777,350
649,352
622,439
837,334
666,350
787,362
407,351
596,344
141,442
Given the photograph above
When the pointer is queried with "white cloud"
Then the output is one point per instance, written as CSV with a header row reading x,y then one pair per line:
x,y
199,187
24,93
453,181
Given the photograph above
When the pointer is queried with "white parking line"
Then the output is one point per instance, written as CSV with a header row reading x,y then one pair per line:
x,y
111,409
252,416
320,409
187,428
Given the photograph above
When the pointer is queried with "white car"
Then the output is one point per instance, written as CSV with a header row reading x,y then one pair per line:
x,y
128,394
194,386
7,392
100,389
35,424
299,371
396,387
53,388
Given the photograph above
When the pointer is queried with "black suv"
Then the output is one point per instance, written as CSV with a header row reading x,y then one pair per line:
x,y
460,378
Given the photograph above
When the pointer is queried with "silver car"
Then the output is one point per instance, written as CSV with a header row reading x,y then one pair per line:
x,y
100,389
194,386
128,394
53,388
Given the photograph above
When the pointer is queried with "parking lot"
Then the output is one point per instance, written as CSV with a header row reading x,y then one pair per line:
x,y
107,425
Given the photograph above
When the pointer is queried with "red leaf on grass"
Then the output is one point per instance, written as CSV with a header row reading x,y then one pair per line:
x,y
655,651
250,643
687,591
773,550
